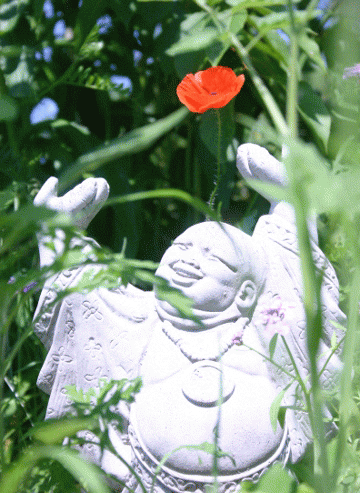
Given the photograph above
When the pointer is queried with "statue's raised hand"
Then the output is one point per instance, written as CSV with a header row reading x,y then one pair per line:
x,y
82,202
255,162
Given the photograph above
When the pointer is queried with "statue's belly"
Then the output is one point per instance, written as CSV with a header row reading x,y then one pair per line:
x,y
182,411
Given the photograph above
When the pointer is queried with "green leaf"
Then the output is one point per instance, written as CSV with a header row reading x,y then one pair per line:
x,y
276,479
275,408
87,474
281,20
89,12
272,345
315,113
55,431
311,48
194,42
195,202
19,81
175,298
10,13
305,488
325,190
270,191
78,395
237,21
245,4
8,108
232,22
131,143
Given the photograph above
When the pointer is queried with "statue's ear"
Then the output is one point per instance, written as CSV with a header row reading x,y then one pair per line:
x,y
246,296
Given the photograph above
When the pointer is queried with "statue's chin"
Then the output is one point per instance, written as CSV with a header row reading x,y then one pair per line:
x,y
208,319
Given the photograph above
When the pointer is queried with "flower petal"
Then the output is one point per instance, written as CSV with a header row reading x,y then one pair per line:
x,y
211,88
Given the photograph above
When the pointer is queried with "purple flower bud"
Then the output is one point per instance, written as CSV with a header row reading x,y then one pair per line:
x,y
352,71
29,286
237,338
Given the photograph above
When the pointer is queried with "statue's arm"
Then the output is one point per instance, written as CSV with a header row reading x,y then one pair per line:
x,y
82,203
256,163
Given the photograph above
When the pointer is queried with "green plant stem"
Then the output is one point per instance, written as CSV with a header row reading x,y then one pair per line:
x,y
312,305
188,156
4,326
197,187
350,346
292,80
218,161
195,202
268,99
2,430
312,301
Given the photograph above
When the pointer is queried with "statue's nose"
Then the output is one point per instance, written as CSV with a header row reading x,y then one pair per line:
x,y
190,260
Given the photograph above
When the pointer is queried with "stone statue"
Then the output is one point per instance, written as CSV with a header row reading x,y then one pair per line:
x,y
244,290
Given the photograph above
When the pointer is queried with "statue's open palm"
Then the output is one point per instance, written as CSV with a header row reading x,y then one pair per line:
x,y
83,202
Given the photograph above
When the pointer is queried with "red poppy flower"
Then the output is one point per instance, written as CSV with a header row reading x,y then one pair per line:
x,y
211,88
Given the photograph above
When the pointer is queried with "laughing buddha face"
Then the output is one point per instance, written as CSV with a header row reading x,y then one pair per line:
x,y
213,264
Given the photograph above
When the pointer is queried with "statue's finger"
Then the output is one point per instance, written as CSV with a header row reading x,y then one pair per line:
x,y
102,190
80,197
47,192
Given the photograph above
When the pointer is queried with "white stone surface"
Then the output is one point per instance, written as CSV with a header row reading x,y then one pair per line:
x,y
244,288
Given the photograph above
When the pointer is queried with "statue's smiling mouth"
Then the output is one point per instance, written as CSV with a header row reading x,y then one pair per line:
x,y
185,274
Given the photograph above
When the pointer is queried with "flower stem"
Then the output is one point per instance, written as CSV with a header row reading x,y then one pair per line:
x,y
218,159
292,82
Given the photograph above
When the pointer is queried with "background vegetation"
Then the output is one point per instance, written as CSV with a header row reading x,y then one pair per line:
x,y
88,88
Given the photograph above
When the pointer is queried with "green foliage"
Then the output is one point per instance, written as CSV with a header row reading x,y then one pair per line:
x,y
275,479
161,162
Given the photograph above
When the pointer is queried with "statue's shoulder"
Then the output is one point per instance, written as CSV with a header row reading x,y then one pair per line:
x,y
128,301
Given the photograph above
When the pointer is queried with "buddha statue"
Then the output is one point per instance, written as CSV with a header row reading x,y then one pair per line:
x,y
209,378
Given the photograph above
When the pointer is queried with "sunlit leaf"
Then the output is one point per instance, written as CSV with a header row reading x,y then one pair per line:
x,y
19,81
55,431
311,48
315,113
244,4
276,479
280,20
87,474
194,42
269,190
10,13
275,408
135,141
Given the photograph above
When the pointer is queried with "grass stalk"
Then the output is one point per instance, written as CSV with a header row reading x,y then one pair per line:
x,y
264,93
350,346
312,301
